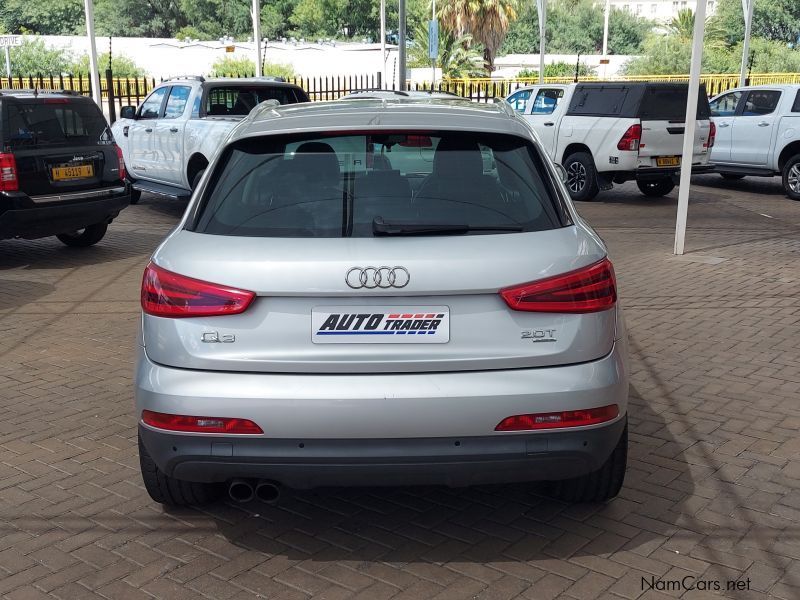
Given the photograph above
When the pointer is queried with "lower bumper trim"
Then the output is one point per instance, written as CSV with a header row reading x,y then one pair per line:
x,y
500,458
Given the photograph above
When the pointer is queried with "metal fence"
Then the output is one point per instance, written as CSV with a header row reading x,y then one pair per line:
x,y
132,90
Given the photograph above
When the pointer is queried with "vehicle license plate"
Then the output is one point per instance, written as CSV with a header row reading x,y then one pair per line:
x,y
77,172
668,161
380,325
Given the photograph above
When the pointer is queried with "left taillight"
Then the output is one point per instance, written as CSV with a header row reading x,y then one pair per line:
x,y
9,182
586,290
168,294
123,172
712,135
193,424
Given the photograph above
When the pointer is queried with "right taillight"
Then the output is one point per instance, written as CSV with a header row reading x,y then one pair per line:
x,y
168,294
8,173
586,290
631,138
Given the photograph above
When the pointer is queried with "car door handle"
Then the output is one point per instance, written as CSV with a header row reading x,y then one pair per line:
x,y
149,130
549,124
763,124
723,125
173,129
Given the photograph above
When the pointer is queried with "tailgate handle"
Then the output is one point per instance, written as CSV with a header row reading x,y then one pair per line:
x,y
676,130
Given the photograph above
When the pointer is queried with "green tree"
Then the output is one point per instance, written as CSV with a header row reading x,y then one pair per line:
x,y
132,18
487,21
229,66
52,17
682,27
559,69
777,20
33,57
121,65
577,26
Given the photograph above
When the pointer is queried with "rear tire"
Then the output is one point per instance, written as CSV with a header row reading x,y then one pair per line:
x,y
581,177
600,485
85,237
791,177
657,188
173,492
732,176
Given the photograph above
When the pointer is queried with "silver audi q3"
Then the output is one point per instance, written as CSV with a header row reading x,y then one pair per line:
x,y
381,292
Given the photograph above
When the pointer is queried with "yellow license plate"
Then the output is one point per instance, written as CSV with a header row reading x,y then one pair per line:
x,y
79,172
668,161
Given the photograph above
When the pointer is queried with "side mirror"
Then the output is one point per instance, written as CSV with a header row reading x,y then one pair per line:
x,y
127,112
562,172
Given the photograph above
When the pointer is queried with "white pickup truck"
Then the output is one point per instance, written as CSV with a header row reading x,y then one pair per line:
x,y
171,138
758,133
605,133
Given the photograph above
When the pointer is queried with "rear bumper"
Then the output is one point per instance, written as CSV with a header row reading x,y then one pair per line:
x,y
654,173
387,429
34,217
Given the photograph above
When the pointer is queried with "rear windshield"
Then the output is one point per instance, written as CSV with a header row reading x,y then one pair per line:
x,y
669,104
355,185
239,100
54,122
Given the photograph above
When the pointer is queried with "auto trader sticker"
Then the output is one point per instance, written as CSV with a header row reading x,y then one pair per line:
x,y
380,325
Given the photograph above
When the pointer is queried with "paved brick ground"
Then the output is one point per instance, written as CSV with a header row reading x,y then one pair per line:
x,y
712,492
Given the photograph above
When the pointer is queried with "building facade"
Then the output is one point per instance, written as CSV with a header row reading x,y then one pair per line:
x,y
661,11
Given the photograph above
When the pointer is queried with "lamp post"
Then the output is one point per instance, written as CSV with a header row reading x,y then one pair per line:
x,y
257,35
94,75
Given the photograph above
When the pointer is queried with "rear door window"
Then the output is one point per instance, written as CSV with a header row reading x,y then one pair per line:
x,y
796,105
341,186
176,102
240,100
55,121
760,103
546,101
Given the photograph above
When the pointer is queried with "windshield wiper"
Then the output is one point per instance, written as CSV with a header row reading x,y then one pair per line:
x,y
382,228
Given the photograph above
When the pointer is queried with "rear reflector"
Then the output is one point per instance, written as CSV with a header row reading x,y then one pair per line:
x,y
199,424
590,289
558,420
8,173
167,294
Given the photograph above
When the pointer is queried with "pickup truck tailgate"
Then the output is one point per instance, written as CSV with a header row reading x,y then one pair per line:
x,y
663,118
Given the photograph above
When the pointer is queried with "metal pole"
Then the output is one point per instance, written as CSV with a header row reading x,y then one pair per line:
x,y
94,75
401,46
433,60
606,14
687,156
8,65
257,35
542,9
383,39
747,8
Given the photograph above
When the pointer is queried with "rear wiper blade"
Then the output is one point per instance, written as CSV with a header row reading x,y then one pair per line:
x,y
382,228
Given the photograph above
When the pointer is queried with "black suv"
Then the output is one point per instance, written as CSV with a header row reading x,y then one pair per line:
x,y
60,171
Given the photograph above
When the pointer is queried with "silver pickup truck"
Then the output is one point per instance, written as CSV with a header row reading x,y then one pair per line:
x,y
169,140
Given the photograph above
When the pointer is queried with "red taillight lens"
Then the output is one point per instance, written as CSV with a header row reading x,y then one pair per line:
x,y
199,424
712,135
631,139
557,420
122,170
167,294
8,173
591,289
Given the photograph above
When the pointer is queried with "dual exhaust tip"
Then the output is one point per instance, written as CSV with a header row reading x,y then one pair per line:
x,y
242,490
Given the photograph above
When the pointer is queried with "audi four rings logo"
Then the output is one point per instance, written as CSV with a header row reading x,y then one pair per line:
x,y
377,277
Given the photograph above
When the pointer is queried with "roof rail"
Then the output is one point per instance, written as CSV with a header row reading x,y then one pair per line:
x,y
262,107
37,91
194,77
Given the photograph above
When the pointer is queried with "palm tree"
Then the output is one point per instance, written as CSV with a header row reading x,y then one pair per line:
x,y
682,27
457,56
487,21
